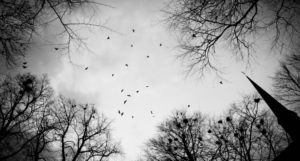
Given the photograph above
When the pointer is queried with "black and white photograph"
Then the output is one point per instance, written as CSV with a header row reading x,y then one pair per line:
x,y
149,80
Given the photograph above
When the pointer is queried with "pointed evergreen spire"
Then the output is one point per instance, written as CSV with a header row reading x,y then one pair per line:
x,y
286,118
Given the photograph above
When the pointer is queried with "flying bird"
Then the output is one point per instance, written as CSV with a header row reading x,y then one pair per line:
x,y
56,48
131,45
107,37
25,63
125,101
160,44
151,112
24,66
221,82
126,65
133,30
119,112
122,113
188,105
86,68
147,86
137,91
129,95
122,90
132,116
112,74
194,35
148,56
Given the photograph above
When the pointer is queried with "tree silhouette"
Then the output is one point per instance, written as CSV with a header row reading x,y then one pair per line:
x,y
287,80
249,134
201,26
22,23
82,133
245,132
35,126
179,138
24,108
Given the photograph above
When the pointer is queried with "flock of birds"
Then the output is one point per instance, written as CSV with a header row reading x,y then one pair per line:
x,y
119,112
86,68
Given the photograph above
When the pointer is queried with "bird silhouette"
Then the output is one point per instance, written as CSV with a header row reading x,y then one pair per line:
x,y
125,101
236,134
220,121
24,66
133,30
107,37
132,116
122,90
221,82
112,75
256,100
185,121
122,113
160,44
261,121
218,142
119,112
129,95
126,65
151,112
131,45
147,86
137,91
25,63
264,131
148,56
56,48
86,68
258,126
194,35
228,119
188,105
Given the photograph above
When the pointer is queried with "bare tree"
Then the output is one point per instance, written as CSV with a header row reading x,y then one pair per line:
x,y
202,25
245,132
24,101
181,137
248,133
287,80
81,133
22,23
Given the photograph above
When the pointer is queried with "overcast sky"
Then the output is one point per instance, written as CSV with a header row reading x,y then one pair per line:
x,y
168,89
